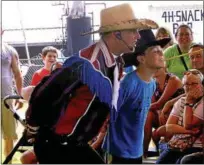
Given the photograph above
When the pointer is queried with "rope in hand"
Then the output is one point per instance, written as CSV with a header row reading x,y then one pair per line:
x,y
185,54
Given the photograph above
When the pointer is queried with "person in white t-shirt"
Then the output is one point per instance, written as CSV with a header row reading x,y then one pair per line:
x,y
186,117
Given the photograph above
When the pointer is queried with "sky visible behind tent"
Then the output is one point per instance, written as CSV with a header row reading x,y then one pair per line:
x,y
35,14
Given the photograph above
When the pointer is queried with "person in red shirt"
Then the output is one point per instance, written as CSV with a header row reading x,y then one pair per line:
x,y
49,56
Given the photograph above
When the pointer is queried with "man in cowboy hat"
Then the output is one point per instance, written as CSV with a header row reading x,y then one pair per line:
x,y
90,97
124,140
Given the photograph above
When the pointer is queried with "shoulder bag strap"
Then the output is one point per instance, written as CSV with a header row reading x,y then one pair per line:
x,y
182,59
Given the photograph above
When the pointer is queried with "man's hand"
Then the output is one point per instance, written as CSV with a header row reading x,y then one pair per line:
x,y
98,140
31,133
30,137
18,104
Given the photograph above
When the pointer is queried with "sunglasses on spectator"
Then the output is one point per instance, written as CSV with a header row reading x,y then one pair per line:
x,y
192,84
195,72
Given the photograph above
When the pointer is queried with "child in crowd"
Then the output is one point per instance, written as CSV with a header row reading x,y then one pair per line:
x,y
49,56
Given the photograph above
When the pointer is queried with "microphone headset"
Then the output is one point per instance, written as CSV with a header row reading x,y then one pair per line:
x,y
119,37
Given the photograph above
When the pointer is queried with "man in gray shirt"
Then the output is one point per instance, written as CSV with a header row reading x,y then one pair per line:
x,y
10,69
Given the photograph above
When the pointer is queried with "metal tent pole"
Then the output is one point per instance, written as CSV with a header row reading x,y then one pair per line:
x,y
24,35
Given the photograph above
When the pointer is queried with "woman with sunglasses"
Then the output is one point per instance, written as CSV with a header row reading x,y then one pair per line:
x,y
186,118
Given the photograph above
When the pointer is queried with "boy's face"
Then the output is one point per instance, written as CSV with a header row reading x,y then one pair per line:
x,y
154,58
50,59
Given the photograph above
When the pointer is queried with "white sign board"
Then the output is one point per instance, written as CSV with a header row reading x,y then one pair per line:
x,y
173,16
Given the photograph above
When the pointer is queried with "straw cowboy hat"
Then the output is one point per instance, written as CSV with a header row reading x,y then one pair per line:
x,y
121,17
147,40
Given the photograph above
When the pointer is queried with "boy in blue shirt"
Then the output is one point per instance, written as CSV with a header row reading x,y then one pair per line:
x,y
124,140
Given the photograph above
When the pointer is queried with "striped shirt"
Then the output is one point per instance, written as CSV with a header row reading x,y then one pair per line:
x,y
178,111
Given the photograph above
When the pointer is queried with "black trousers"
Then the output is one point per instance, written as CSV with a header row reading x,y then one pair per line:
x,y
120,160
53,152
194,158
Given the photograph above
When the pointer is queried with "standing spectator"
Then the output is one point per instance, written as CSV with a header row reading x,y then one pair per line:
x,y
49,56
184,37
9,69
89,102
124,140
163,32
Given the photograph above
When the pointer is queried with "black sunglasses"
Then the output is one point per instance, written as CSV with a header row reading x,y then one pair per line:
x,y
195,72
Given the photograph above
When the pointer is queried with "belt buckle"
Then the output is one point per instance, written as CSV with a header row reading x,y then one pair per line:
x,y
63,140
64,143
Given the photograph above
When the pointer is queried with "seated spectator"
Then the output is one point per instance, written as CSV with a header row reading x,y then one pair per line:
x,y
163,117
187,119
196,57
168,86
163,32
196,60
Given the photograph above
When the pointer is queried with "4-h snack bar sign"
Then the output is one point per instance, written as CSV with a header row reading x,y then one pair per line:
x,y
172,16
